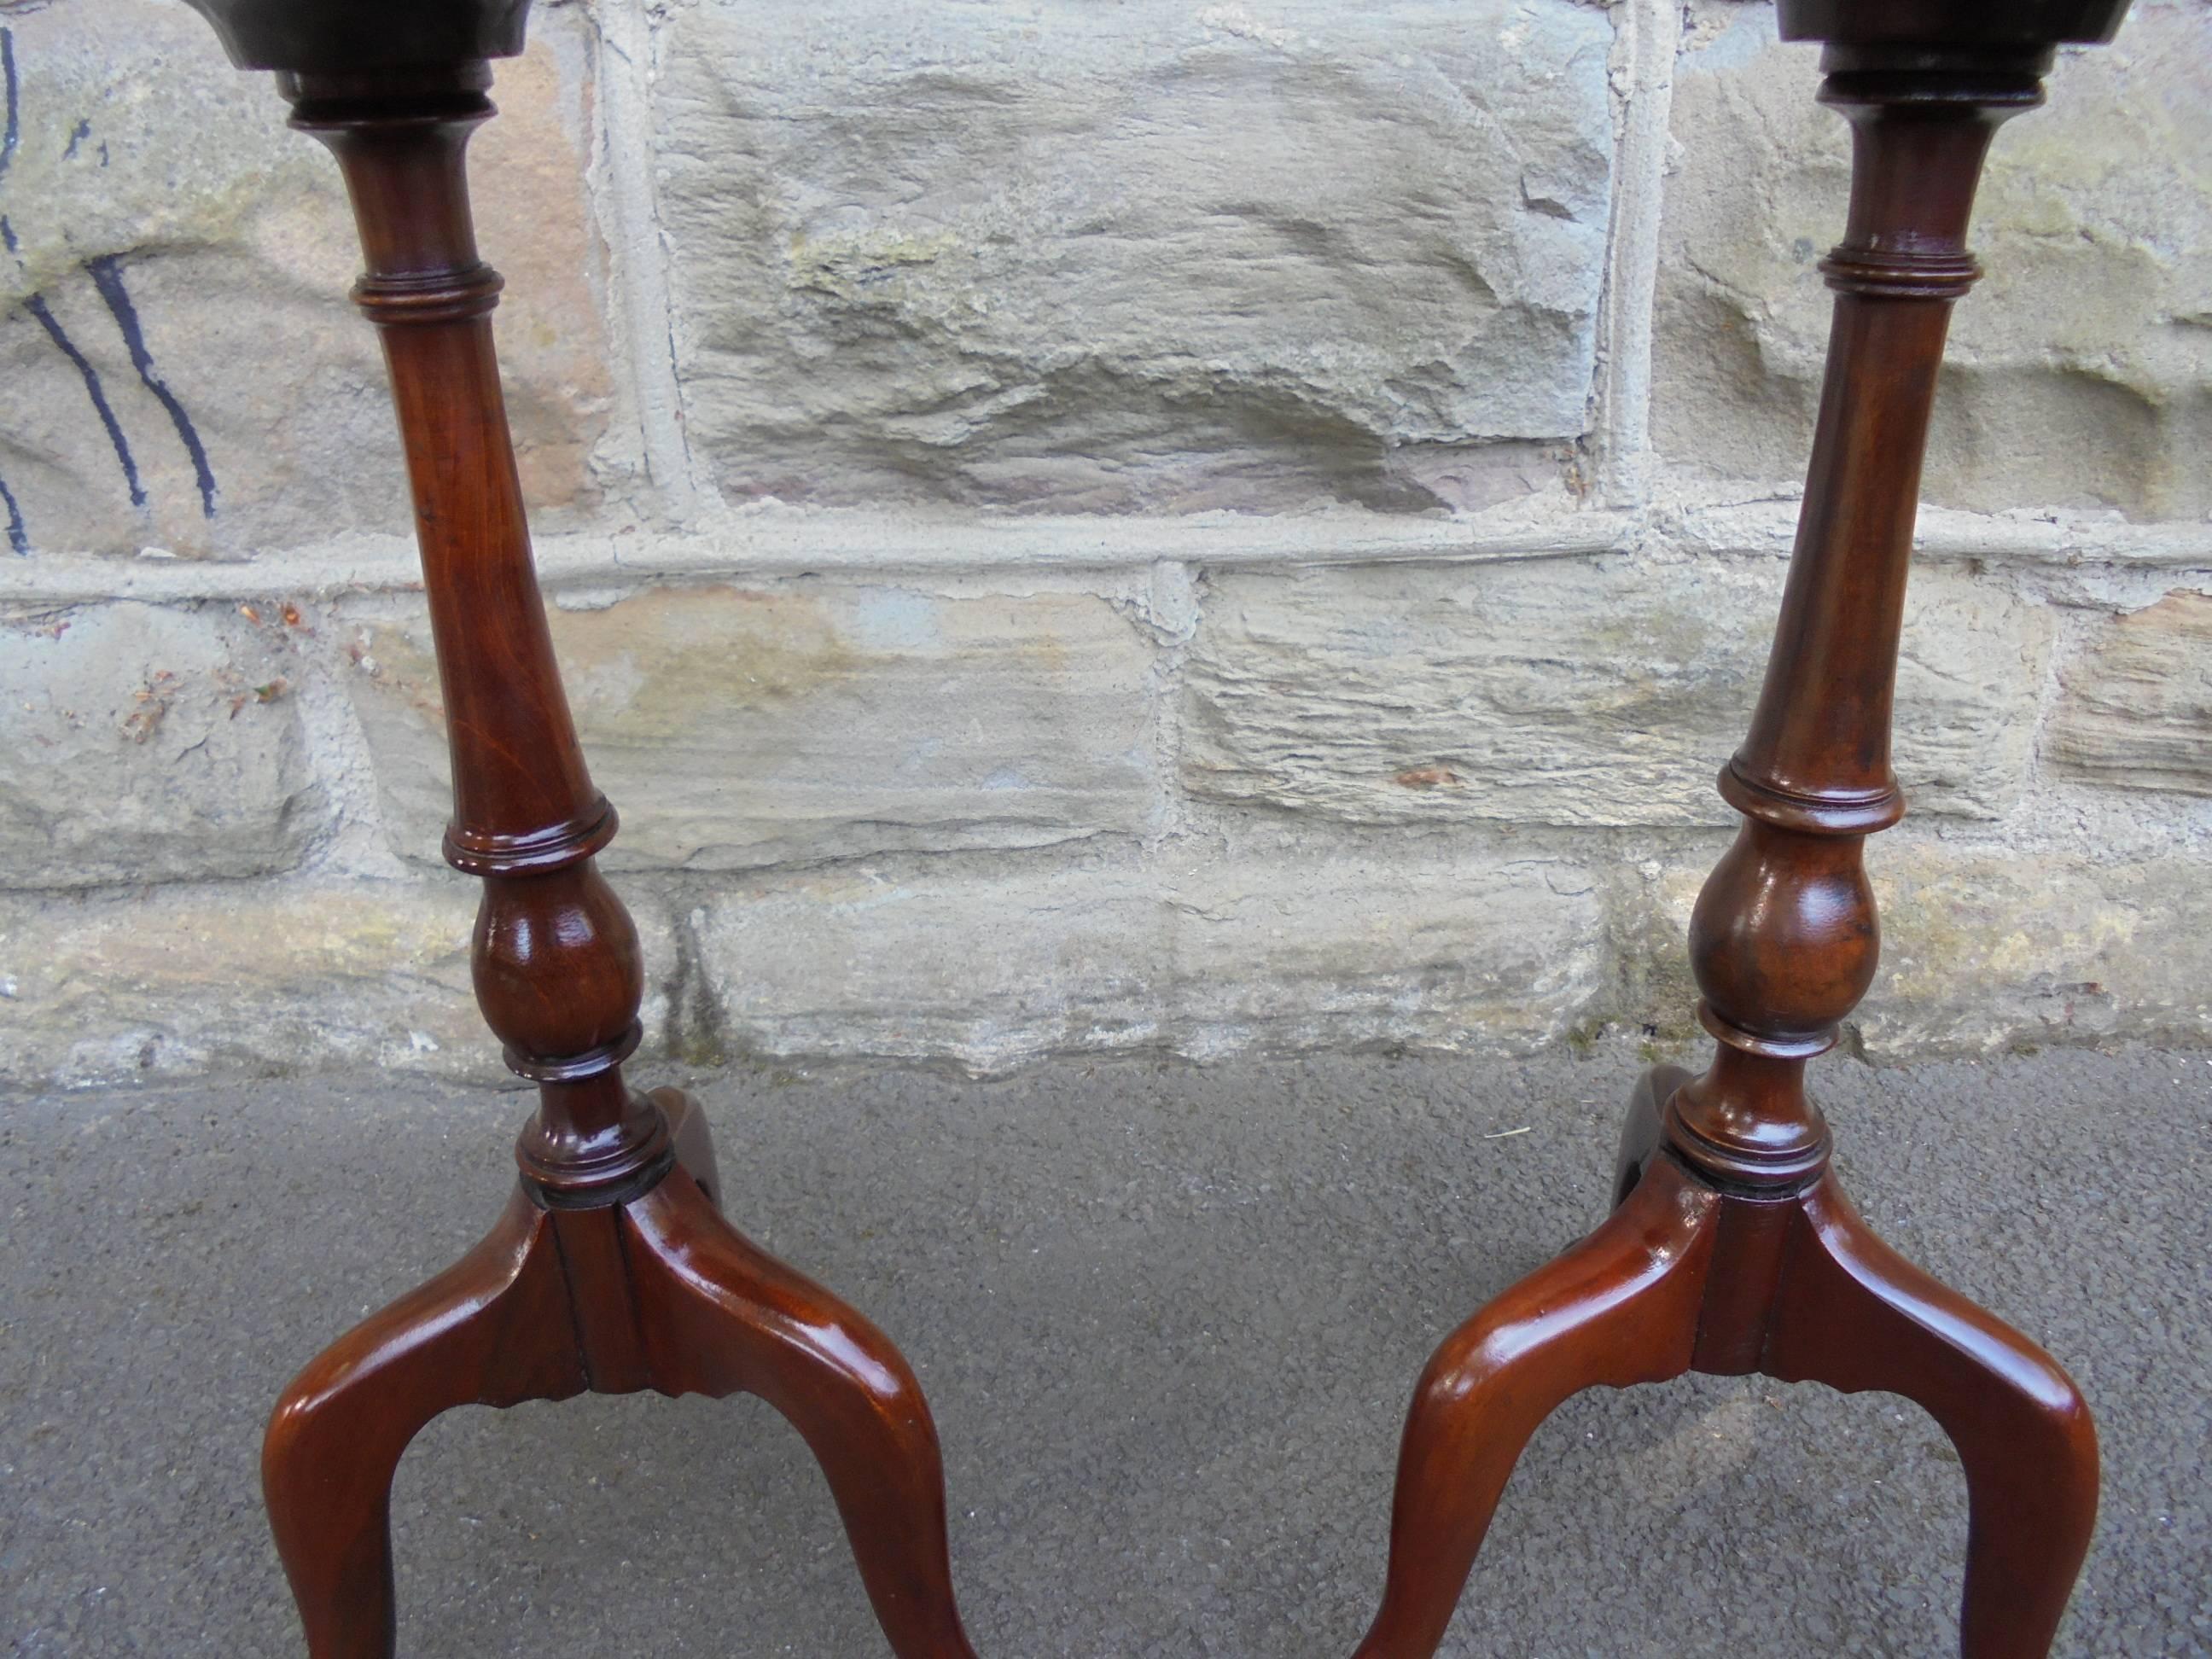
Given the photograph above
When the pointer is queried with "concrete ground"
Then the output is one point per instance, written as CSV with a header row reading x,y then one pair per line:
x,y
1168,1318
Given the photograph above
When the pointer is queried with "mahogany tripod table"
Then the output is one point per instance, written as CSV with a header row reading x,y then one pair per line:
x,y
1731,1249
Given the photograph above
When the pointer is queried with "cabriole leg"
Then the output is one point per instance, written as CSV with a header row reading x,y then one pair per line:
x,y
1853,1314
1618,1308
720,1317
492,1330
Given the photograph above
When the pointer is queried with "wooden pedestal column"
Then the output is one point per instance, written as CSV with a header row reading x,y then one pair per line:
x,y
612,1269
1733,1249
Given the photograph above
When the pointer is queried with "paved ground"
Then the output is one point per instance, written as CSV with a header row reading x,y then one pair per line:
x,y
1170,1319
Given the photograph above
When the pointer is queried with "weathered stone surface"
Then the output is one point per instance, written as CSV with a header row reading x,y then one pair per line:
x,y
1199,958
183,369
1987,948
2080,374
737,728
2135,709
139,743
1997,949
1144,255
1605,691
260,978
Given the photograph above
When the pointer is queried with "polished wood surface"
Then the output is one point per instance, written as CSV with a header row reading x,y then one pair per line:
x,y
613,1269
661,1293
1687,1276
1732,1249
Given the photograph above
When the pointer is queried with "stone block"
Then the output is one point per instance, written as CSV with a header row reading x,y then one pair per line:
x,y
2135,707
2001,948
1201,956
735,728
1593,692
183,369
2080,371
1148,255
261,979
142,743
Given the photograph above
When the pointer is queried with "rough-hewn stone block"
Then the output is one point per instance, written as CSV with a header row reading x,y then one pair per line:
x,y
183,369
1142,255
254,980
2081,371
1201,958
259,978
735,728
1605,691
139,743
2135,706
1997,948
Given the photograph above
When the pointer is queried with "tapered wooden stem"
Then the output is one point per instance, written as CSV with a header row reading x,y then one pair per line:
x,y
1732,1249
557,968
1784,937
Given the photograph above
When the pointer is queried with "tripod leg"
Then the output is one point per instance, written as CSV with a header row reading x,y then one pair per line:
x,y
695,1141
1619,1308
1641,1131
720,1317
1855,1314
493,1329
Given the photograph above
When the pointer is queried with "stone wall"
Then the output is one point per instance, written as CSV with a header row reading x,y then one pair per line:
x,y
1188,528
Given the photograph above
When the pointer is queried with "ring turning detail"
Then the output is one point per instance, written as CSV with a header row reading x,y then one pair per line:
x,y
1731,1249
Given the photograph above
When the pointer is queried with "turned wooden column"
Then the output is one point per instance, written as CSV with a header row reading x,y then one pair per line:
x,y
612,1269
556,957
1733,1249
1784,938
